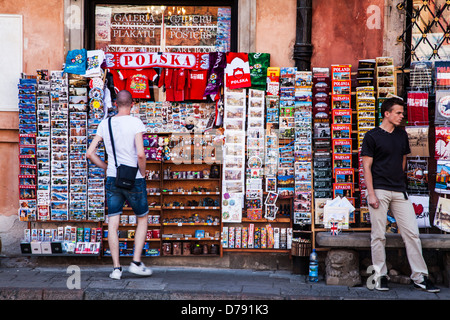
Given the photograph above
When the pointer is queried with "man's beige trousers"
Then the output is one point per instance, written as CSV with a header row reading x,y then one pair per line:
x,y
403,212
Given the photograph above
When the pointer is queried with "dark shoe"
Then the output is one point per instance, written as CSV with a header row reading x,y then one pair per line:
x,y
382,284
426,285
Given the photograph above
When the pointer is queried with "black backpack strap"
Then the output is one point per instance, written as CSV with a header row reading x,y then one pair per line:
x,y
112,140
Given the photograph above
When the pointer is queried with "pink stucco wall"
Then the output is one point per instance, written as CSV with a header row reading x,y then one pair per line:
x,y
43,33
343,32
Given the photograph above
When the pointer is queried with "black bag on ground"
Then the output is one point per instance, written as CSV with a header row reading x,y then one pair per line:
x,y
125,175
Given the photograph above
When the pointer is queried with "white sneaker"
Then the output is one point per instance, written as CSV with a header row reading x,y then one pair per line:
x,y
140,270
116,274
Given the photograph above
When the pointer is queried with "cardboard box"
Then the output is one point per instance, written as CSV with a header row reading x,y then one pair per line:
x,y
56,247
36,247
25,247
46,248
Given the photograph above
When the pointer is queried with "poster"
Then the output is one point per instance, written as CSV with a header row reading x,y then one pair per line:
x,y
418,141
442,216
442,177
417,175
442,145
442,108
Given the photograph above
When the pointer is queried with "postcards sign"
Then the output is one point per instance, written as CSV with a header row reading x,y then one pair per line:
x,y
138,60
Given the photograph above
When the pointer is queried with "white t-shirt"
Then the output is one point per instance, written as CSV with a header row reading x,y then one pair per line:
x,y
124,130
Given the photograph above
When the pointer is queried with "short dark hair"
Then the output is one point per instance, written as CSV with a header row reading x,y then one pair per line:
x,y
124,98
389,103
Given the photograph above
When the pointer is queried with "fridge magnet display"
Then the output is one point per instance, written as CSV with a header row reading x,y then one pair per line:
x,y
232,207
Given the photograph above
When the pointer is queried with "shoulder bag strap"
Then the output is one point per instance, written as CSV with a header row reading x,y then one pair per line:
x,y
112,140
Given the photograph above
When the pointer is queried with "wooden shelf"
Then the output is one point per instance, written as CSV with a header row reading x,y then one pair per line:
x,y
149,208
191,208
67,221
192,193
277,220
256,250
190,239
131,240
61,255
166,212
209,255
186,224
197,179
135,224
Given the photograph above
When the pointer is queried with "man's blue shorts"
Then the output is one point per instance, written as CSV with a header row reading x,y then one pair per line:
x,y
136,197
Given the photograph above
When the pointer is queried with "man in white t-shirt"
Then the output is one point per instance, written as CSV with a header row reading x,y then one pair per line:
x,y
128,141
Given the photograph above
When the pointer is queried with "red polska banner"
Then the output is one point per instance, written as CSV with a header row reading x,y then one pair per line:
x,y
139,60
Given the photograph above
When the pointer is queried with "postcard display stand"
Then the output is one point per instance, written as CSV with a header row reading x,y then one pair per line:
x,y
341,152
259,212
60,167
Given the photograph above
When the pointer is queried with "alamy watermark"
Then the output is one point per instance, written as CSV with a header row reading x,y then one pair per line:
x,y
371,281
74,280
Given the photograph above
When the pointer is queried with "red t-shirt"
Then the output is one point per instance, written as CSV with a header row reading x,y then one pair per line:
x,y
174,81
196,84
119,83
138,81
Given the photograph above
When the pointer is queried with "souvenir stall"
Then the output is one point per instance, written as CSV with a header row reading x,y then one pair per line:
x,y
241,156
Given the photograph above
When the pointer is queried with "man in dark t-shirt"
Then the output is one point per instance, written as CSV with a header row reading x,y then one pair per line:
x,y
384,152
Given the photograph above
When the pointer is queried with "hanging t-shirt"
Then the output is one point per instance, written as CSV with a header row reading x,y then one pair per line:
x,y
118,82
387,150
174,81
94,61
138,81
196,84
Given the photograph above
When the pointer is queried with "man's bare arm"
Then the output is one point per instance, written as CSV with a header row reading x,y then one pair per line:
x,y
142,160
367,169
91,153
